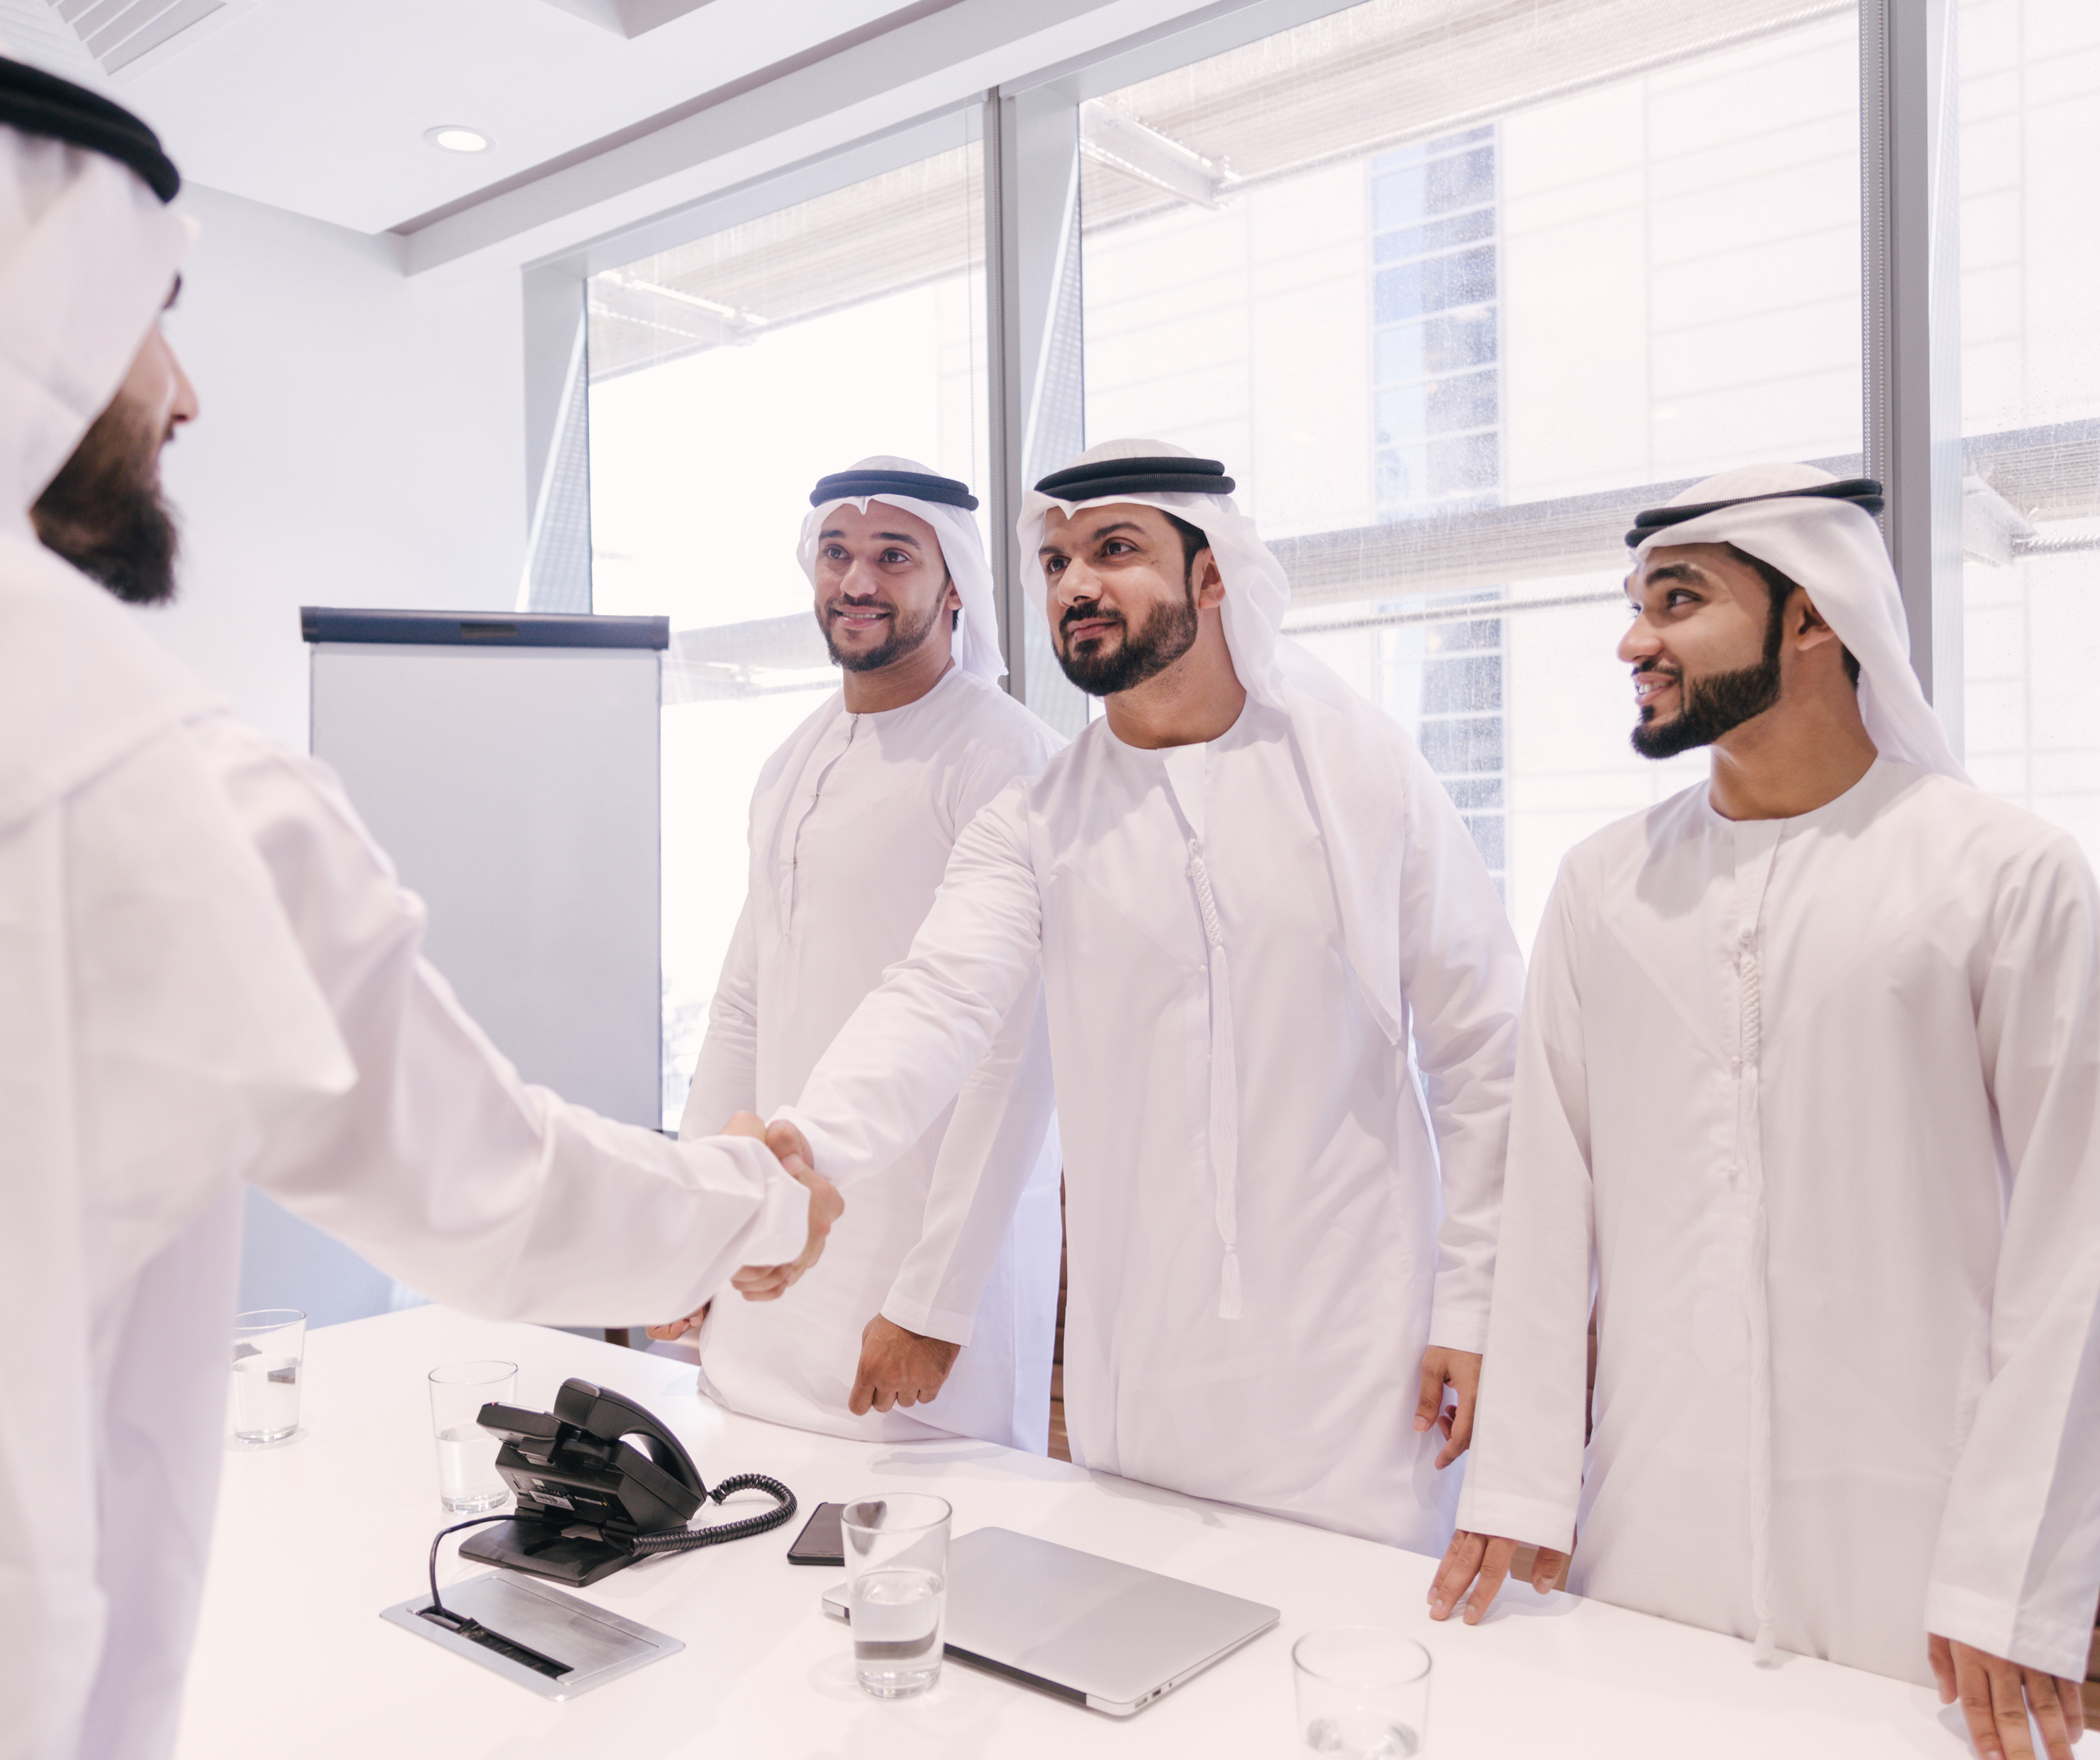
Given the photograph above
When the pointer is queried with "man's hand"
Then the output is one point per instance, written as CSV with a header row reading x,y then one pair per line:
x,y
1460,1370
769,1282
898,1367
1483,1561
679,1328
1995,1697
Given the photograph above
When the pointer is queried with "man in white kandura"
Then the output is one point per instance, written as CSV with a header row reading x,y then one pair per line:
x,y
210,975
1248,896
852,823
1808,1077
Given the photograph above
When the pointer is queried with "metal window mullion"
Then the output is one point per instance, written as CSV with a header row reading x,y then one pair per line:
x,y
1910,311
1008,415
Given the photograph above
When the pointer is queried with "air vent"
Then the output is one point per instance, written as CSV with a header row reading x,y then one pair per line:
x,y
115,34
629,18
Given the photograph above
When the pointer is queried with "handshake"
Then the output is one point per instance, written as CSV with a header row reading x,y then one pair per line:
x,y
897,1367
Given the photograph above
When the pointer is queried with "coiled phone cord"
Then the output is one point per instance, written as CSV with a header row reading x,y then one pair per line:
x,y
684,1539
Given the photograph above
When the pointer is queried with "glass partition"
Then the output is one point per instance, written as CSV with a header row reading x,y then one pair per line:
x,y
726,376
2030,143
1455,290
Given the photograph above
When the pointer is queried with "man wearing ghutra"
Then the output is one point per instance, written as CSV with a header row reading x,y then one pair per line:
x,y
852,823
211,976
1807,1082
1249,897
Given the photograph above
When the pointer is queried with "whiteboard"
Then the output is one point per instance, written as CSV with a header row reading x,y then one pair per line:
x,y
511,770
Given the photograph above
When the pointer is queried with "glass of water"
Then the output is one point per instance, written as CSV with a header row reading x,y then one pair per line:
x,y
897,1573
1363,1693
468,1482
269,1346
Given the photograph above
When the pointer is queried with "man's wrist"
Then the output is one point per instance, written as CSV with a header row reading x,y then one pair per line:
x,y
922,1322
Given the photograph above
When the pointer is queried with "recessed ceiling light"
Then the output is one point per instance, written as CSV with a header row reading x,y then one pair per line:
x,y
454,138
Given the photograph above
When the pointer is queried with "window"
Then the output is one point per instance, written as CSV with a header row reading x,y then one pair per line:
x,y
726,375
2030,141
1452,290
1451,293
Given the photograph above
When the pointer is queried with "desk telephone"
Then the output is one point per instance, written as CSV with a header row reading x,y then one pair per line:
x,y
590,1502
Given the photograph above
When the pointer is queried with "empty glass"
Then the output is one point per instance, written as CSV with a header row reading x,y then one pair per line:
x,y
468,1482
1363,1693
269,1346
896,1573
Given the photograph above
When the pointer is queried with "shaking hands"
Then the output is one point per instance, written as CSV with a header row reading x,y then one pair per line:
x,y
769,1282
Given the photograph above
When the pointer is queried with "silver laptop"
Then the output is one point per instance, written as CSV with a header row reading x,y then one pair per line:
x,y
1087,1629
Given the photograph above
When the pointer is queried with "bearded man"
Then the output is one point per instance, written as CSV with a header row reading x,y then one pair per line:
x,y
1250,900
1807,1086
851,825
211,977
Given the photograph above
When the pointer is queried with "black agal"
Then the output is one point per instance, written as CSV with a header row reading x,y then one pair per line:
x,y
1862,492
1136,475
32,102
852,485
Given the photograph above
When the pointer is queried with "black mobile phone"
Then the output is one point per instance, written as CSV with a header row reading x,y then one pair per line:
x,y
820,1542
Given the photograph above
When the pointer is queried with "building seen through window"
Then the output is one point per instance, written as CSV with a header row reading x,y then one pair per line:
x,y
1452,292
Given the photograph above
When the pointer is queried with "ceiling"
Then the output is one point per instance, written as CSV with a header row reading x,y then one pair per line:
x,y
319,106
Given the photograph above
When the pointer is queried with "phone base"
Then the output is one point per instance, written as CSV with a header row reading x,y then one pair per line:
x,y
539,1550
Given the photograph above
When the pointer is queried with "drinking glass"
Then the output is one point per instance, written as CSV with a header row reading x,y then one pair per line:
x,y
468,1482
1363,1693
897,1574
269,1345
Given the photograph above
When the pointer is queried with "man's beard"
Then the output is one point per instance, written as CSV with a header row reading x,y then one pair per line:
x,y
904,638
1166,635
1712,706
104,514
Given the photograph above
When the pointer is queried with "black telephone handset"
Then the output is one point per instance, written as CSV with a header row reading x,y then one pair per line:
x,y
589,1502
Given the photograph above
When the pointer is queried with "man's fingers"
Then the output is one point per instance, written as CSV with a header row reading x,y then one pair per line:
x,y
1461,1560
863,1391
1494,1568
2045,1696
2073,1708
762,1282
1545,1573
826,1207
790,1147
744,1125
1460,1435
1993,1705
1431,1401
1940,1655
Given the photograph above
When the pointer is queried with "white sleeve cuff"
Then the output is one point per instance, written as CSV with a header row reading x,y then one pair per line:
x,y
926,1322
2001,1629
782,1227
1510,1517
829,1155
1458,1329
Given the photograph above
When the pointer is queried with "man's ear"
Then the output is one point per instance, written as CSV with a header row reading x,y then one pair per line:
x,y
1210,583
1809,630
954,601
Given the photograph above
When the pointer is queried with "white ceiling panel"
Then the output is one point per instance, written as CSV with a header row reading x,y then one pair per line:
x,y
320,106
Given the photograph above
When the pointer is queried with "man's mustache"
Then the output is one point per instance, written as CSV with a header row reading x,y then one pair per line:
x,y
1088,613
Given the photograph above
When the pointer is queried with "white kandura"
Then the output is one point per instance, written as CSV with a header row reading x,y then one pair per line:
x,y
212,975
1815,1097
852,823
1265,1228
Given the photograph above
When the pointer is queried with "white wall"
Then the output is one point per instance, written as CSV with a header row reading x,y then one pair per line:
x,y
362,443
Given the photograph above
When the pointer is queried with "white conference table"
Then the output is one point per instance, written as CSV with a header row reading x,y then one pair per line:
x,y
317,1534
